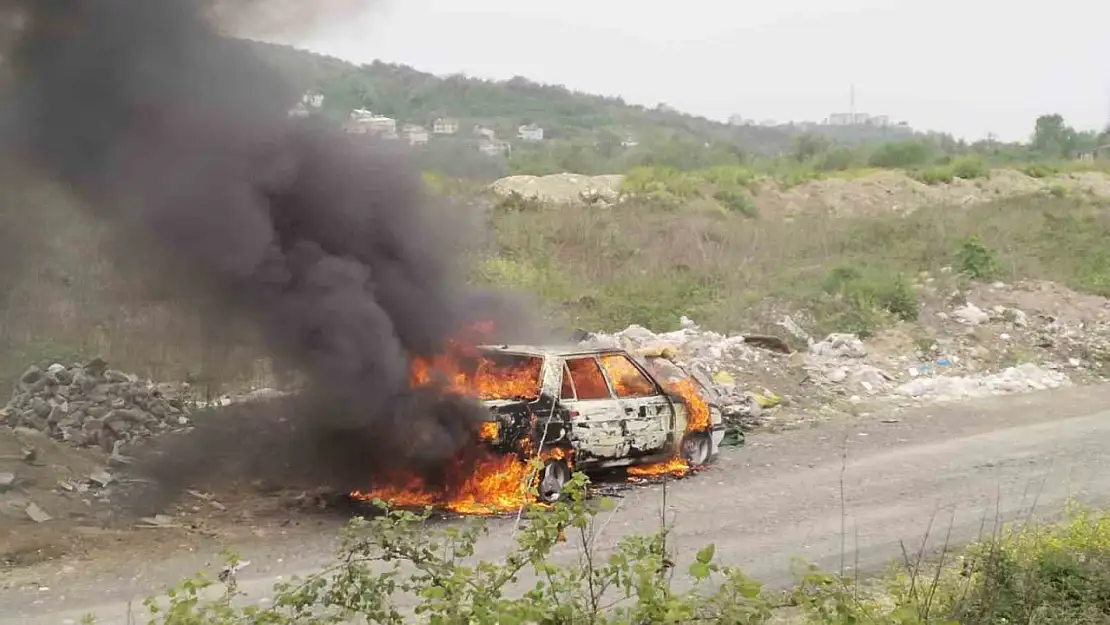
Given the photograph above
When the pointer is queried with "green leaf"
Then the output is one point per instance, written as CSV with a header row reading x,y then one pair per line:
x,y
705,556
699,570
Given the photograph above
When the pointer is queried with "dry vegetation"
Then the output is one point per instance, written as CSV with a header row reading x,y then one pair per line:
x,y
641,261
648,263
66,298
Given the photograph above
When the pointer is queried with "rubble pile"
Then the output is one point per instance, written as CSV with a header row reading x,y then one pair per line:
x,y
841,360
91,405
995,339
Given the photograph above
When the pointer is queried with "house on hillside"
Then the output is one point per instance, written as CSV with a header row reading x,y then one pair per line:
x,y
363,122
299,110
445,126
312,99
495,147
414,134
529,132
487,134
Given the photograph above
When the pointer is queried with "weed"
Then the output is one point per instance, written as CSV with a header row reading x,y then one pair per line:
x,y
514,202
396,556
970,167
736,202
976,260
934,175
861,300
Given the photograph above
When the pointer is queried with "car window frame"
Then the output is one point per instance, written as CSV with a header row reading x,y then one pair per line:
x,y
657,390
601,370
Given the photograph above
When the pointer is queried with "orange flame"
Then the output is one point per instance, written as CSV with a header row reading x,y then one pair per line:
x,y
495,482
675,466
697,420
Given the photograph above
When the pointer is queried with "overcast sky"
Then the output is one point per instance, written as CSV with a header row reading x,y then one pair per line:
x,y
968,67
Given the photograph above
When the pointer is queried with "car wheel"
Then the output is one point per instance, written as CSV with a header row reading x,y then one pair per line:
x,y
697,448
555,474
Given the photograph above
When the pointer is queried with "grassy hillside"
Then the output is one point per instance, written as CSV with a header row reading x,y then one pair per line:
x,y
593,134
413,96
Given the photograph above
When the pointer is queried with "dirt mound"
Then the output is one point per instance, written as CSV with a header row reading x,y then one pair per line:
x,y
886,192
45,485
561,188
877,193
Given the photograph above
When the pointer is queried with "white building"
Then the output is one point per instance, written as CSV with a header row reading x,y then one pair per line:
x,y
529,132
313,99
445,126
489,134
363,122
414,134
495,148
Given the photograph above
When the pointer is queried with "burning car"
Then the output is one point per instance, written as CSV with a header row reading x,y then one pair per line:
x,y
591,409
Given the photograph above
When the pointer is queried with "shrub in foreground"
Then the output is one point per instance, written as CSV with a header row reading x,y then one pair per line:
x,y
395,569
1045,575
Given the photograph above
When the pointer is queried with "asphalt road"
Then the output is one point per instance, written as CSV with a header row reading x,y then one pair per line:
x,y
848,493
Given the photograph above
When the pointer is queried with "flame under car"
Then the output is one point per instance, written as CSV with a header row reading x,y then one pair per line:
x,y
590,409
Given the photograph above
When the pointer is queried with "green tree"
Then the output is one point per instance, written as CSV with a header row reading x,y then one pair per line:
x,y
1054,138
808,145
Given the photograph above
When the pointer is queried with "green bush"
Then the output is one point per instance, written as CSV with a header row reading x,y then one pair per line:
x,y
976,260
654,181
736,202
901,154
1047,575
861,301
398,555
970,167
837,159
1038,170
934,175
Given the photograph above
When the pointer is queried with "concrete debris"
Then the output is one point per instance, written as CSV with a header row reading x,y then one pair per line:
x,y
1022,378
37,514
159,521
971,315
562,188
91,405
7,480
839,346
975,349
102,478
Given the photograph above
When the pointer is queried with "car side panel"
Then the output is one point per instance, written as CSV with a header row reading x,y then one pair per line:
x,y
649,422
597,424
598,429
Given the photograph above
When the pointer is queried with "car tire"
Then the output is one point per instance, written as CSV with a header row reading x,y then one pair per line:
x,y
697,449
554,475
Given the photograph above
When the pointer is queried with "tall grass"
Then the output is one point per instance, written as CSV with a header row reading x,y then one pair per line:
x,y
639,263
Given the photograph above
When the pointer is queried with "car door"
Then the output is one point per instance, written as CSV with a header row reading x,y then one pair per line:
x,y
596,416
648,412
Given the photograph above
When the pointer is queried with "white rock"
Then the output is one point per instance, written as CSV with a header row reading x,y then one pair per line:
x,y
971,314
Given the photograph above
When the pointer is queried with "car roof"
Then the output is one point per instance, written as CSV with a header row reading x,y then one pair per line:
x,y
569,349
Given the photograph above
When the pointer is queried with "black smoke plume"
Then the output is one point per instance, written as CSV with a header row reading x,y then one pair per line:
x,y
180,138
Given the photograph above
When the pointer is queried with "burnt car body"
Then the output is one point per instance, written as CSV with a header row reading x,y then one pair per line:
x,y
601,406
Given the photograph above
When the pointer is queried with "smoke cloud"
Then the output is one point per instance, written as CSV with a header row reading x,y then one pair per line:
x,y
180,138
281,19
